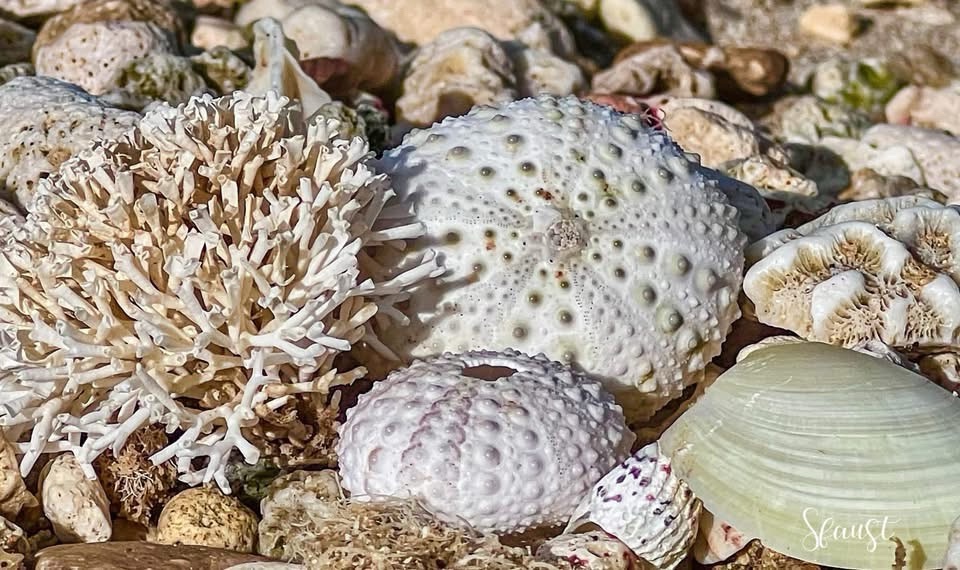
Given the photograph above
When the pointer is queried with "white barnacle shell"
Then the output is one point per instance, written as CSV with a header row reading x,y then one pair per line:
x,y
502,441
825,455
571,229
646,506
881,270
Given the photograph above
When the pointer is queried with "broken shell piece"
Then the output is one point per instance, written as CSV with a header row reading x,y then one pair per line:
x,y
875,270
838,457
506,469
328,29
658,68
716,540
203,516
459,69
540,72
76,506
14,495
589,551
785,189
643,504
277,69
716,132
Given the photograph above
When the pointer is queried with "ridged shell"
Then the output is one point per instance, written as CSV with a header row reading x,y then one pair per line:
x,y
815,449
643,503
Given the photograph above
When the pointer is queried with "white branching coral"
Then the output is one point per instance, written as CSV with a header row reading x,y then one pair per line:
x,y
221,247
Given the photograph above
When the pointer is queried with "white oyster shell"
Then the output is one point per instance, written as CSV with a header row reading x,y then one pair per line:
x,y
825,454
571,229
513,451
642,503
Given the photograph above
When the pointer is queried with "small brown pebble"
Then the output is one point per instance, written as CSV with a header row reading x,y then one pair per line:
x,y
139,556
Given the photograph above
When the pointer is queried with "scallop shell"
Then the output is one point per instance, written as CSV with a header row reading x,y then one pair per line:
x,y
827,455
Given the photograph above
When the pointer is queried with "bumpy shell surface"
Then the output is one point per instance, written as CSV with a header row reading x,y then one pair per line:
x,y
502,441
642,503
574,230
880,270
824,454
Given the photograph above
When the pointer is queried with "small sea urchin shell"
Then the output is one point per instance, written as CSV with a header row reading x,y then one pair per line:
x,y
575,230
502,441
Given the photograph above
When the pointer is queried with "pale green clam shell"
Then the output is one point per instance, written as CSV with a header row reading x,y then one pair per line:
x,y
799,436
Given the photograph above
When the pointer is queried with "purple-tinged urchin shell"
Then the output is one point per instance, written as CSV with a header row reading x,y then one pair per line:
x,y
646,506
571,229
499,440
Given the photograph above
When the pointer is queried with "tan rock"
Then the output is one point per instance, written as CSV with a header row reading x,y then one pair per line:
x,y
210,32
14,495
140,556
832,22
420,21
205,516
76,506
459,69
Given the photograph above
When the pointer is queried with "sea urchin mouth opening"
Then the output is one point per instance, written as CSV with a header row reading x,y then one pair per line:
x,y
488,372
565,237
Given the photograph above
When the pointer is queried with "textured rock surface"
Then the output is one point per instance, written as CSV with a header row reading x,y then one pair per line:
x,y
502,441
571,229
47,121
204,516
76,506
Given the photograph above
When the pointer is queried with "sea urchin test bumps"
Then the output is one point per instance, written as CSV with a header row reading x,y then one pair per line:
x,y
502,441
571,229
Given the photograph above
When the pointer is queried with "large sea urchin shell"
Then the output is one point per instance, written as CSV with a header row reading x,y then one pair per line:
x,y
575,230
825,455
502,441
